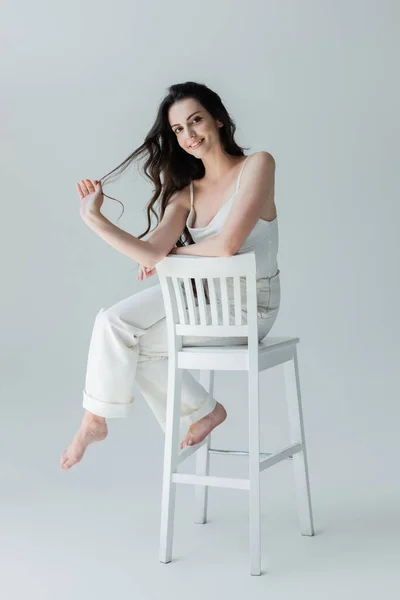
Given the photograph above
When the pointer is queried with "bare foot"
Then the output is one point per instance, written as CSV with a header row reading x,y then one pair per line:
x,y
92,429
199,430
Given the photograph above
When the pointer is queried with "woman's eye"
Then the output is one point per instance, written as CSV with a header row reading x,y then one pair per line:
x,y
196,119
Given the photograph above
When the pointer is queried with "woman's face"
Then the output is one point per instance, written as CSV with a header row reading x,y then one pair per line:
x,y
191,123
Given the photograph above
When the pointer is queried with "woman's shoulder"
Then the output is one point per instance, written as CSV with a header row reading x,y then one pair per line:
x,y
181,197
260,165
262,156
263,166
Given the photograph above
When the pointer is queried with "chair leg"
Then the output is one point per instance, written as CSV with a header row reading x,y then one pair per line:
x,y
171,448
203,459
201,491
300,463
254,472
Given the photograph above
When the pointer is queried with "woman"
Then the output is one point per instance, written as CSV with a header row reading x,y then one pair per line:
x,y
210,205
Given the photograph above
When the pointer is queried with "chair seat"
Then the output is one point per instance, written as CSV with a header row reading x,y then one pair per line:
x,y
271,351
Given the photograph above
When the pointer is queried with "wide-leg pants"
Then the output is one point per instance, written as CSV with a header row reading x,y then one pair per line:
x,y
129,346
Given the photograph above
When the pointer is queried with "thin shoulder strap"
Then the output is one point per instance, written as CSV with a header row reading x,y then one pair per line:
x,y
191,194
240,174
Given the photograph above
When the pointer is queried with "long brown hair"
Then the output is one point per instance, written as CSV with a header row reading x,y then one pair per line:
x,y
164,156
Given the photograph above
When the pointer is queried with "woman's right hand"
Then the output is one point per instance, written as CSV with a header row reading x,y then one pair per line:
x,y
145,272
91,195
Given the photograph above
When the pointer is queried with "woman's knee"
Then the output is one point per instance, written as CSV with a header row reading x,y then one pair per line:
x,y
141,310
103,317
110,315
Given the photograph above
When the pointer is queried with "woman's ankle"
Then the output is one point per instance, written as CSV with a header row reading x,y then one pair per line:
x,y
92,417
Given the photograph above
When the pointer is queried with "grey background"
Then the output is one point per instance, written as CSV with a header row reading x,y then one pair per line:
x,y
315,84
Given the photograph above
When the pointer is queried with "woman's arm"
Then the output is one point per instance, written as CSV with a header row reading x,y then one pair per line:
x,y
212,246
149,252
145,252
140,251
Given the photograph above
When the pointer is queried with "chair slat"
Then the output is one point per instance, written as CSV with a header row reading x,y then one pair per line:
x,y
237,300
179,300
190,300
225,301
201,300
213,301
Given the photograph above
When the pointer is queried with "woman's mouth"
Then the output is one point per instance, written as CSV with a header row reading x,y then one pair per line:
x,y
197,144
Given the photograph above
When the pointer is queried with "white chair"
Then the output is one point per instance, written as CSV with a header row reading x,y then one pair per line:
x,y
204,319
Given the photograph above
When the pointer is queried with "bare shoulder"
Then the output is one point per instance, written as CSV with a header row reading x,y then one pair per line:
x,y
263,159
260,168
262,176
181,198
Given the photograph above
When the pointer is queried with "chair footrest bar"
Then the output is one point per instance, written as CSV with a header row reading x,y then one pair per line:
x,y
275,456
188,451
281,455
226,482
242,453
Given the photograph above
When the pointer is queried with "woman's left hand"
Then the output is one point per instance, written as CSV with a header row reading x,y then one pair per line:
x,y
91,195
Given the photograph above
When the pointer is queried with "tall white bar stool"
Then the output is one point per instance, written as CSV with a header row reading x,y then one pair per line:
x,y
202,319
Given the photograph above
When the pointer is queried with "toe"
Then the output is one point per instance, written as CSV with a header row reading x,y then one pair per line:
x,y
67,464
64,462
68,461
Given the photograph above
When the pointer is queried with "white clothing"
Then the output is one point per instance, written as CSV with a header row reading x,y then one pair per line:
x,y
129,345
263,238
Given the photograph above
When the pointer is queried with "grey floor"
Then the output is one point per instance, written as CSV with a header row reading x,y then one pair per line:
x,y
93,532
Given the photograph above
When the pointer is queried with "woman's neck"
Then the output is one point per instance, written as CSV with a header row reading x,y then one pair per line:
x,y
218,166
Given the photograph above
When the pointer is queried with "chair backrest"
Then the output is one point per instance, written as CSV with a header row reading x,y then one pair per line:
x,y
232,292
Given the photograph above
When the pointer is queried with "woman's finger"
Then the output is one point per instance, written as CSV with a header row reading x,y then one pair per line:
x,y
78,188
83,187
90,185
145,272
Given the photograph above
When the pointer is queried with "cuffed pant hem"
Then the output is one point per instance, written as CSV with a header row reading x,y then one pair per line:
x,y
187,420
201,412
105,409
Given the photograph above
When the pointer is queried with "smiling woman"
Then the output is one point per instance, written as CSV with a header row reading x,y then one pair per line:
x,y
168,152
213,200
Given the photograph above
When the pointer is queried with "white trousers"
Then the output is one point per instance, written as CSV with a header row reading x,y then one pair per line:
x,y
129,346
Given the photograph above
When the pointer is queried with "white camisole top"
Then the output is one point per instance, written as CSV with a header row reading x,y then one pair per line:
x,y
263,239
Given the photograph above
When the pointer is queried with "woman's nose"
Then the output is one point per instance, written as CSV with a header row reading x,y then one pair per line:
x,y
190,135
